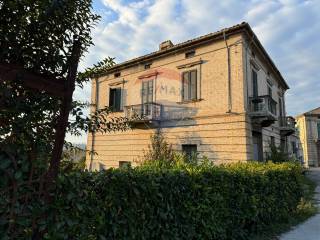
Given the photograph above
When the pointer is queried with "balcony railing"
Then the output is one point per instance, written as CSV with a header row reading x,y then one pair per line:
x,y
144,112
263,106
287,125
287,122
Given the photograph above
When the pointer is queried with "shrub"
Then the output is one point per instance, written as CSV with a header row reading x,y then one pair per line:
x,y
199,202
278,155
159,150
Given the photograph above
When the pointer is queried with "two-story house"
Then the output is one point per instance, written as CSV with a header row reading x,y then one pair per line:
x,y
219,95
308,125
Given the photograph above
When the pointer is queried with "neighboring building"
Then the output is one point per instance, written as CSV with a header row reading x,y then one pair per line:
x,y
294,145
308,125
220,95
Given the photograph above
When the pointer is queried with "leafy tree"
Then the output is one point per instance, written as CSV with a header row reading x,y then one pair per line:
x,y
159,150
45,38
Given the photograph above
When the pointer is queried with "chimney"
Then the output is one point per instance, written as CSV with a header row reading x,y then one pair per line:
x,y
165,45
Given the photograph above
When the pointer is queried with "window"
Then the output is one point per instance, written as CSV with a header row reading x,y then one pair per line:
x,y
115,99
294,147
189,83
272,141
280,107
270,91
190,54
117,74
318,126
147,66
124,164
190,150
254,83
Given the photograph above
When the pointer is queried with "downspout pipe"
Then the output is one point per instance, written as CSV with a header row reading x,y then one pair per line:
x,y
229,74
93,133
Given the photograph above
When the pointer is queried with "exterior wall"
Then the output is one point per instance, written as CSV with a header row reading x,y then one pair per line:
x,y
218,123
309,138
219,135
254,61
295,150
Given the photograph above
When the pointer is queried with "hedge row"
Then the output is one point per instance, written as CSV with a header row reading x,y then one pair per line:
x,y
226,202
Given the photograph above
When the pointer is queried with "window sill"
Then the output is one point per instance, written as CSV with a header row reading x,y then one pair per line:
x,y
190,101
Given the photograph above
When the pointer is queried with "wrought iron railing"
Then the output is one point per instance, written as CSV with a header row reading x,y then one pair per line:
x,y
287,122
146,111
263,105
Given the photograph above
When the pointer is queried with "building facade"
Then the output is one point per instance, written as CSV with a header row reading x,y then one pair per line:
x,y
308,125
219,95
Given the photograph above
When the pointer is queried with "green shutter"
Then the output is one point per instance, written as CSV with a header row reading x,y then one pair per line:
x,y
193,85
185,84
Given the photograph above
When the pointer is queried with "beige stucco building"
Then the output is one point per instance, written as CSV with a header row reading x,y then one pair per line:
x,y
220,95
308,125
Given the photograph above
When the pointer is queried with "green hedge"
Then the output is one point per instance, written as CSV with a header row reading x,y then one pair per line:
x,y
226,202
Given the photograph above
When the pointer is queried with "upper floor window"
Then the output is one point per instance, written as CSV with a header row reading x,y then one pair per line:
x,y
115,99
281,113
189,83
269,84
269,91
117,74
190,54
147,66
318,126
254,83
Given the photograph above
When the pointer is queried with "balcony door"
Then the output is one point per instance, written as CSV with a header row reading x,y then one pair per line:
x,y
147,97
255,90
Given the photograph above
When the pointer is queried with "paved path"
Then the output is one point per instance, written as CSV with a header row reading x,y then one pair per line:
x,y
310,229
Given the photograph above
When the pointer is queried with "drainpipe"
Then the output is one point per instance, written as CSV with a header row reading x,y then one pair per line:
x,y
93,133
229,74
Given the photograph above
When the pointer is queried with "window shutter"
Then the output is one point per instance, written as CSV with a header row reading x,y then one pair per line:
x,y
185,84
193,85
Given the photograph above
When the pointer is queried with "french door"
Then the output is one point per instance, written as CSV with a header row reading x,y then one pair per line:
x,y
147,98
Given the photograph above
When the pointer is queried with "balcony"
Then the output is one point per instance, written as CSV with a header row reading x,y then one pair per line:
x,y
262,110
144,113
287,125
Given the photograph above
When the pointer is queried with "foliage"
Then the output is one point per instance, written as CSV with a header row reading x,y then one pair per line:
x,y
73,158
39,35
198,202
278,155
159,150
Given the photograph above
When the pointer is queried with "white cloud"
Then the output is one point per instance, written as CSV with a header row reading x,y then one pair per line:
x,y
289,30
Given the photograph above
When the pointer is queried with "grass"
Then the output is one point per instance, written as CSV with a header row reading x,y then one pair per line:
x,y
305,210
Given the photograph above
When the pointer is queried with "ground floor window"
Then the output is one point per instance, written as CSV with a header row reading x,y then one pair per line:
x,y
190,150
124,164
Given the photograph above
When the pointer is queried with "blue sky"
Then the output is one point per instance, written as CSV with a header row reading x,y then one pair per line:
x,y
288,29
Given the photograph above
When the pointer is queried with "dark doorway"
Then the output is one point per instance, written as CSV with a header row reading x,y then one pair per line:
x,y
257,146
